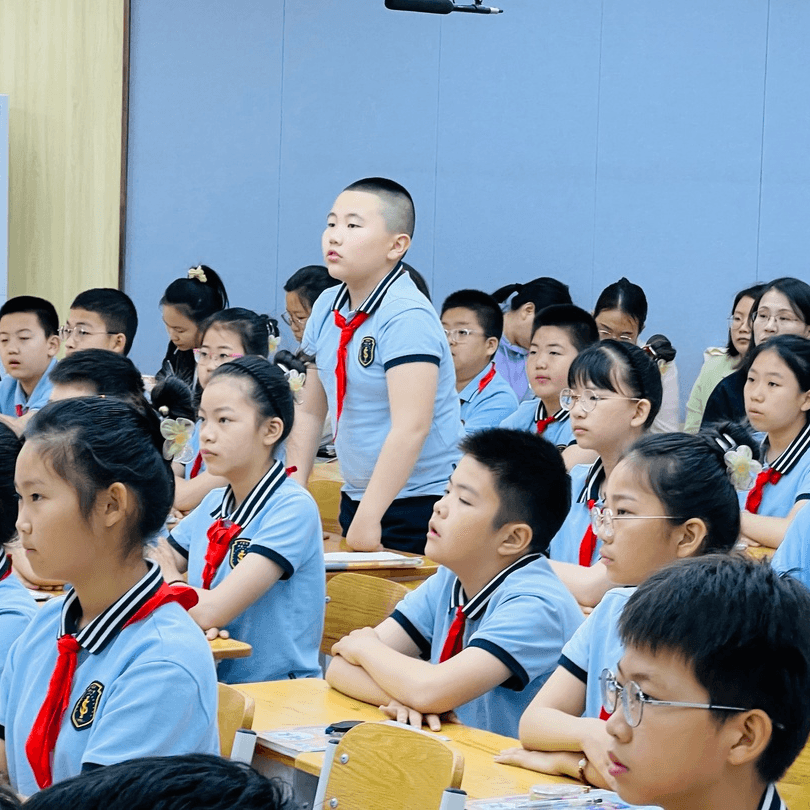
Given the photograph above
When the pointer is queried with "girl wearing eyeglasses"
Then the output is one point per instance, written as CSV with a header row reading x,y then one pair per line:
x,y
782,308
613,396
671,496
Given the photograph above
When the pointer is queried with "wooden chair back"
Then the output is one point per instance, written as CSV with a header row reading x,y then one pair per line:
x,y
327,496
395,767
794,787
357,600
234,711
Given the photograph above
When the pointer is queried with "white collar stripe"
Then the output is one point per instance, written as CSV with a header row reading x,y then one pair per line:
x,y
374,298
540,413
475,607
596,474
101,630
794,451
5,562
772,800
256,500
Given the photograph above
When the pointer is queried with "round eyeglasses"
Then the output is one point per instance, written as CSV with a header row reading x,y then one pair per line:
x,y
460,335
291,319
602,520
588,399
633,700
79,332
204,357
781,319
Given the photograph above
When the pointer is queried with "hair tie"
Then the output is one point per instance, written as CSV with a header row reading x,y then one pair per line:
x,y
177,433
295,379
198,273
272,340
742,468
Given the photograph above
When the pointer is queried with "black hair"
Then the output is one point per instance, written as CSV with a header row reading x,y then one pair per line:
x,y
194,298
396,204
8,799
794,352
612,364
204,781
754,292
254,330
542,292
660,349
270,389
309,282
172,398
44,311
742,628
530,479
418,280
93,442
688,474
482,305
10,444
114,307
626,297
796,291
110,374
578,324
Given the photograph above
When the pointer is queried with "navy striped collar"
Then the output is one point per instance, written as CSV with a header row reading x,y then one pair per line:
x,y
374,298
106,626
5,563
593,480
256,500
771,800
541,413
790,457
474,608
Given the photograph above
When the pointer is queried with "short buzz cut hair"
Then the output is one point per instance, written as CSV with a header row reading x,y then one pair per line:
x,y
44,310
483,305
530,480
396,204
114,307
754,652
578,324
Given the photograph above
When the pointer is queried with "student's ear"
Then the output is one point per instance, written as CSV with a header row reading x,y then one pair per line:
x,y
692,535
526,311
515,539
491,346
271,431
112,504
399,247
805,405
642,411
749,734
53,343
119,342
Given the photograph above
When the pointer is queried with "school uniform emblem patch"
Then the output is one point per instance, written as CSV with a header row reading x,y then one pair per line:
x,y
238,550
366,353
84,712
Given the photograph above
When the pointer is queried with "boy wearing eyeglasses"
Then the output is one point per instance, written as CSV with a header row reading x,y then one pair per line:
x,y
712,694
101,318
559,334
473,324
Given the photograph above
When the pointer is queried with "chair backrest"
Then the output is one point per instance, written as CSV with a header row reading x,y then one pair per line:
x,y
794,787
390,766
327,496
234,711
357,600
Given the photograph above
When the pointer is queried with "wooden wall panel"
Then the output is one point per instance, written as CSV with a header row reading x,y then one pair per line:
x,y
61,63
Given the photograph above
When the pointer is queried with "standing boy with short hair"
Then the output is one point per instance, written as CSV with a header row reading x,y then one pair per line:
x,y
101,318
712,694
29,342
384,372
473,323
494,618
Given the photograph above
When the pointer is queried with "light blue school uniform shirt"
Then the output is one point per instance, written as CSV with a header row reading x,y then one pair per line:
x,y
559,432
523,617
596,646
12,394
485,403
402,328
511,362
149,689
794,485
586,481
17,607
280,521
793,554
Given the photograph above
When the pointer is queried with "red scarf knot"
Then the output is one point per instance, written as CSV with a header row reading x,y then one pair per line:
x,y
347,330
542,424
754,499
455,637
220,534
588,544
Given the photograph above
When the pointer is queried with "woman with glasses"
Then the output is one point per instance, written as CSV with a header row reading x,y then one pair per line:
x,y
782,308
670,497
301,290
720,361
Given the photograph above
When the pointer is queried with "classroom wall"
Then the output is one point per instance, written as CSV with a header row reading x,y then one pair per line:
x,y
61,64
667,142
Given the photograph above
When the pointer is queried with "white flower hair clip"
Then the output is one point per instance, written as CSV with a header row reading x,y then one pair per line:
x,y
273,342
743,469
296,380
198,273
178,433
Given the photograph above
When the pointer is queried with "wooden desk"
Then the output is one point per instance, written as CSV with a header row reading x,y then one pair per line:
x,y
308,702
227,648
760,552
397,573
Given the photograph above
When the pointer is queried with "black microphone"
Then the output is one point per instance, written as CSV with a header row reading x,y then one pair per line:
x,y
425,6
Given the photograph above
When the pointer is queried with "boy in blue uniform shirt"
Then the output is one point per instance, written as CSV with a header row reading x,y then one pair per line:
x,y
710,713
559,334
384,372
494,618
29,342
473,323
